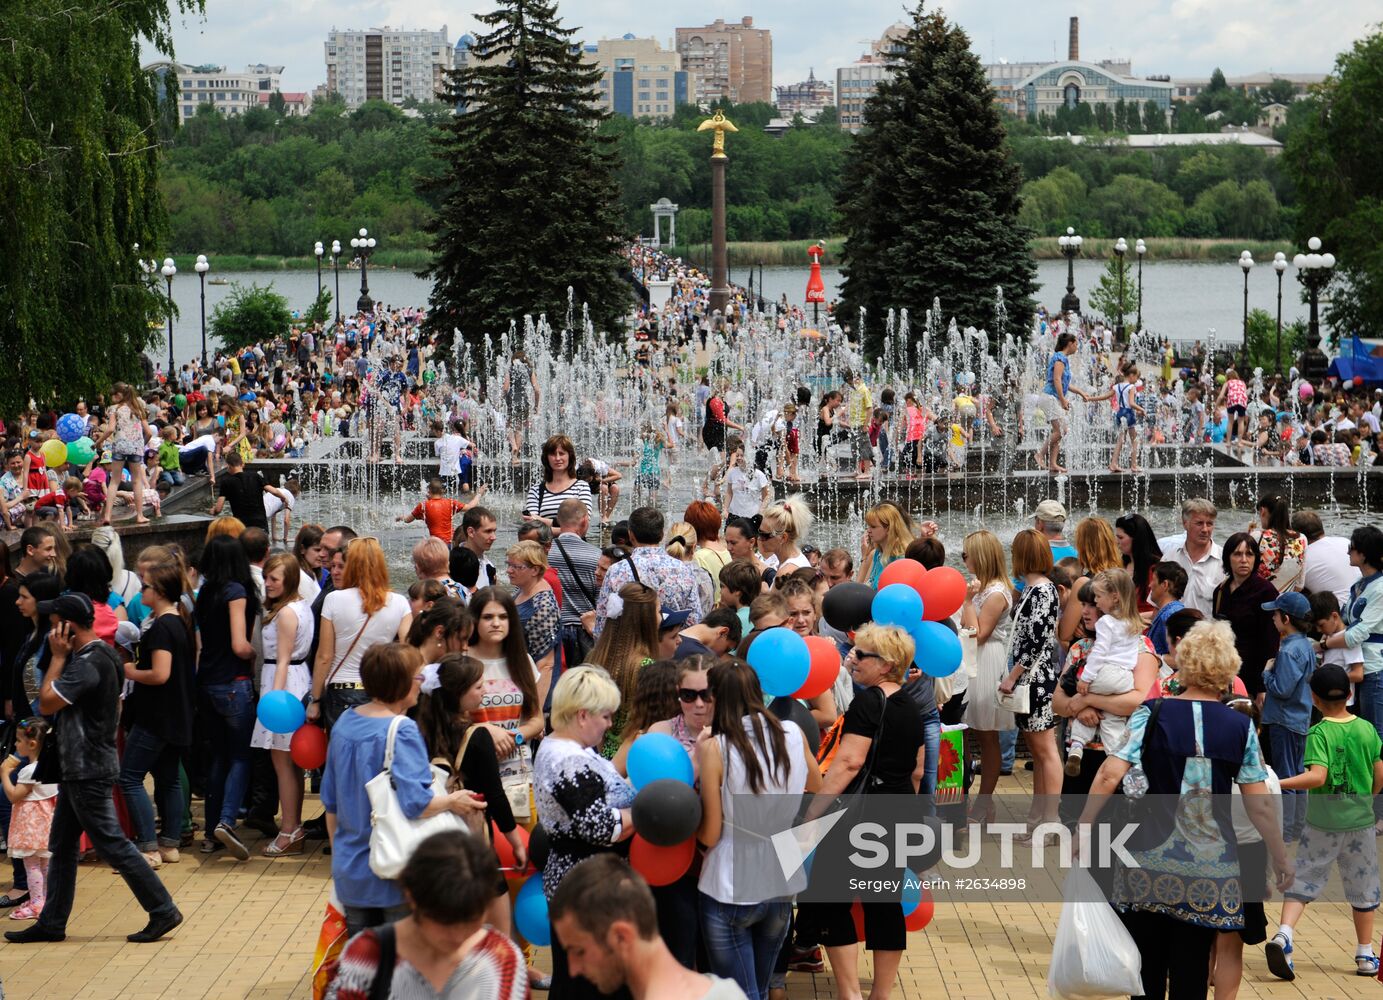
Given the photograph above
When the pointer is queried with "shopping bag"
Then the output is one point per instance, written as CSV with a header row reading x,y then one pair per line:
x,y
330,940
1093,956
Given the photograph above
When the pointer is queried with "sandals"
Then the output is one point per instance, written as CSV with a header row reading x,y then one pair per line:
x,y
286,843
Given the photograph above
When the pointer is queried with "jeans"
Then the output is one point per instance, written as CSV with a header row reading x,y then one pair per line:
x,y
173,477
1285,752
1008,749
147,753
1368,704
337,701
194,462
358,918
227,712
743,940
87,807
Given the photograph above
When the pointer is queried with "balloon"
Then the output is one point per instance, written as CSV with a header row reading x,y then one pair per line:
x,y
503,848
81,451
180,401
938,649
907,571
781,659
1306,390
897,604
922,915
530,913
70,427
309,747
54,453
846,606
658,755
1358,380
857,915
661,865
943,592
824,669
666,812
279,712
280,442
538,847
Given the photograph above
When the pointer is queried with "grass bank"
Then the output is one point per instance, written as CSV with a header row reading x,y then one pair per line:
x,y
403,260
1168,248
792,253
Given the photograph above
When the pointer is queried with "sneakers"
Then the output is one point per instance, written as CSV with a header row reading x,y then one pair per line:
x,y
806,960
231,842
1366,965
1073,762
1278,951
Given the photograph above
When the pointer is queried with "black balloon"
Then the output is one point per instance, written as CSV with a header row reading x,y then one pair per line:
x,y
666,812
538,847
847,606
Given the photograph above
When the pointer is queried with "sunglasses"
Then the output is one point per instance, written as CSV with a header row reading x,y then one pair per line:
x,y
687,695
865,655
769,534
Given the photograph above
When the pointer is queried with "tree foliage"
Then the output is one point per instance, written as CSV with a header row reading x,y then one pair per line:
x,y
528,198
930,196
1261,349
253,314
1333,158
79,170
1106,300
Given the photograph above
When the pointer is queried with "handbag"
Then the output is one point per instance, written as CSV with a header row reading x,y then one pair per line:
x,y
1016,701
518,788
475,820
393,836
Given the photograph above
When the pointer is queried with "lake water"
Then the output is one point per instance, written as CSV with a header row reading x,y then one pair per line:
x,y
1182,299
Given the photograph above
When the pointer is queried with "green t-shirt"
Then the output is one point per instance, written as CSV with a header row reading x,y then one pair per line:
x,y
1347,749
169,458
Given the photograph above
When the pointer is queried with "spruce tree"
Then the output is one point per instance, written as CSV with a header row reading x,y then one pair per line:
x,y
930,195
528,200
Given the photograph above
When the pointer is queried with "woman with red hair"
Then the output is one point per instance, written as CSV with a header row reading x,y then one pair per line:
x,y
711,553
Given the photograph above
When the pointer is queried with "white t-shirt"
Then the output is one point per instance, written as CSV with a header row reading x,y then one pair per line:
x,y
748,487
449,448
675,426
343,609
1244,830
273,503
207,441
1326,567
40,790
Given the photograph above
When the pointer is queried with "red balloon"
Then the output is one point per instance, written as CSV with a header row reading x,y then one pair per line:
x,y
943,592
857,915
661,865
824,669
1358,380
505,850
906,571
922,916
309,747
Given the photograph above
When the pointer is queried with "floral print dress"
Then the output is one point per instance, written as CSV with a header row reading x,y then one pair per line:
x,y
1034,648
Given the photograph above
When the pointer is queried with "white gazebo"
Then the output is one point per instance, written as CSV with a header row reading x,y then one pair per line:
x,y
664,209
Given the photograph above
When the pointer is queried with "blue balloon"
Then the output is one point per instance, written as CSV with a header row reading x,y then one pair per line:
x,y
781,659
897,604
530,912
938,649
912,893
658,755
70,427
279,712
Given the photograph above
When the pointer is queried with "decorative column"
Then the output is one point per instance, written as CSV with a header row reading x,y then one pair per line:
x,y
720,263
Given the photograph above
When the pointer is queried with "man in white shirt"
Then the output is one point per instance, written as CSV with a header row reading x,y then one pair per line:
x,y
1198,554
1326,566
449,449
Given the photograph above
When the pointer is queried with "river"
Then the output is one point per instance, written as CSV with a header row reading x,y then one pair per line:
x,y
1182,299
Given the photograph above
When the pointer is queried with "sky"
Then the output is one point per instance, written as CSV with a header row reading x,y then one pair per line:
x,y
1176,37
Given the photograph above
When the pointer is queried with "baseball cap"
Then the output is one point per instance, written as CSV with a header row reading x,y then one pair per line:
x,y
70,607
1050,510
1292,604
673,619
127,635
1330,682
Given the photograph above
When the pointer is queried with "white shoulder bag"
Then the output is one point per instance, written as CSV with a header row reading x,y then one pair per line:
x,y
393,836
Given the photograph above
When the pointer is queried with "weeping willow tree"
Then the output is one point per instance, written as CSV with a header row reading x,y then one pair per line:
x,y
79,163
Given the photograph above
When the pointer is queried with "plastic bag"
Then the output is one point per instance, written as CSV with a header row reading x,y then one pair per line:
x,y
1093,955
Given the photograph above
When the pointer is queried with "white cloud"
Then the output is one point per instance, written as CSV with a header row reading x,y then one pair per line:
x,y
1179,37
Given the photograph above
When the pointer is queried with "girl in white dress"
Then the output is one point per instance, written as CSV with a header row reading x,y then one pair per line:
x,y
986,612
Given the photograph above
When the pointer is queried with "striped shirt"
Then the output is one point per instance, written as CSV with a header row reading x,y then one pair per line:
x,y
492,970
544,503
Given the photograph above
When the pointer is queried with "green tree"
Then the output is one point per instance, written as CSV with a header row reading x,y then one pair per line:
x,y
1278,91
1154,118
320,310
1133,206
1333,160
1261,349
250,315
1105,299
930,197
79,171
277,104
1052,203
528,202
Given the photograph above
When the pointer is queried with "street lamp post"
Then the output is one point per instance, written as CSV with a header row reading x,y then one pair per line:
x,y
1070,248
1141,248
318,249
1313,271
1121,248
1246,263
169,269
364,245
1280,266
336,267
202,268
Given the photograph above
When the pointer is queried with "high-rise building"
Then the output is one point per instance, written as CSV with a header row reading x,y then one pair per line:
x,y
639,78
806,98
856,84
729,61
384,64
229,93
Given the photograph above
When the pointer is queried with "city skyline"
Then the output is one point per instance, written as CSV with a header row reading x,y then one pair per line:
x,y
1175,37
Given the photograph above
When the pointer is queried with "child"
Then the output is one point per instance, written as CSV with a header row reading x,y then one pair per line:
x,y
649,478
275,505
1127,410
32,816
604,484
673,426
1343,772
1287,701
1195,417
1267,442
956,445
916,427
1325,612
454,454
1109,667
170,458
792,443
439,511
1165,593
746,490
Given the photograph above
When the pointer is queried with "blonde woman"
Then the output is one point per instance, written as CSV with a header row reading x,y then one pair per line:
x,y
287,637
681,544
127,431
1097,548
783,527
887,537
526,564
986,613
